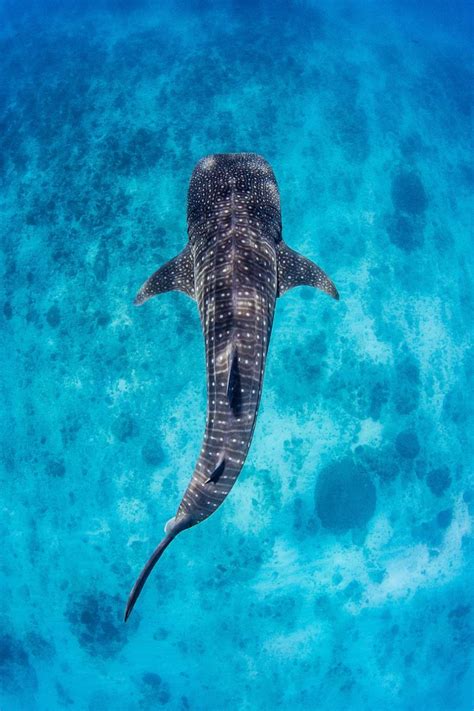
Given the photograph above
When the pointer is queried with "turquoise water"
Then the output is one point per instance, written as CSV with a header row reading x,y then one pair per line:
x,y
336,575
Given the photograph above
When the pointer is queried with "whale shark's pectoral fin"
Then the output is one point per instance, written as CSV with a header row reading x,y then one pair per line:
x,y
175,275
296,270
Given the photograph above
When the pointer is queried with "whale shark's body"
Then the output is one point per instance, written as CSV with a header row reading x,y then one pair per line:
x,y
234,265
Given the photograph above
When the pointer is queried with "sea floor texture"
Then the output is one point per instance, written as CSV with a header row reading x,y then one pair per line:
x,y
337,576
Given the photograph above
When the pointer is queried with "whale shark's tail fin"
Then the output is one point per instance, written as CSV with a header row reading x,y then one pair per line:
x,y
142,578
172,528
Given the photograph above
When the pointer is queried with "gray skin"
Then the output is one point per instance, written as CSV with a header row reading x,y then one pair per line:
x,y
234,265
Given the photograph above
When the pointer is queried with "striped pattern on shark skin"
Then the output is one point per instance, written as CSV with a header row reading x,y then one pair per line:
x,y
235,265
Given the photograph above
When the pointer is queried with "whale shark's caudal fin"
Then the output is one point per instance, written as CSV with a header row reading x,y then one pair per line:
x,y
296,270
142,578
173,527
175,275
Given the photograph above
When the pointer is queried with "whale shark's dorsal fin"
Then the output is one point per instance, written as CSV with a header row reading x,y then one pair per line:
x,y
233,383
296,270
175,275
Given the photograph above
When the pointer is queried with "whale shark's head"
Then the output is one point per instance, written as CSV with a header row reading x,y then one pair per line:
x,y
241,181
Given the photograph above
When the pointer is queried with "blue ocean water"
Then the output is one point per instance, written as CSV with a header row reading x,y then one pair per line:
x,y
337,574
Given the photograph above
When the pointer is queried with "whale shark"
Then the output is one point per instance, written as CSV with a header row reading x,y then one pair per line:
x,y
235,265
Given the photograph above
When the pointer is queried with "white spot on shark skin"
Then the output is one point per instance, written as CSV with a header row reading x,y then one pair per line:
x,y
262,166
208,162
273,192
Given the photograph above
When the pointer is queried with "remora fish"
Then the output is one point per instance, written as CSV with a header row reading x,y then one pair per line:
x,y
234,265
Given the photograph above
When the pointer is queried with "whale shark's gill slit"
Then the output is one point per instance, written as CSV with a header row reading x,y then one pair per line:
x,y
217,473
234,395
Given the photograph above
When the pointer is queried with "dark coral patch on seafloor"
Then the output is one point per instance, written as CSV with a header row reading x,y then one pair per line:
x,y
408,193
378,399
406,393
444,518
351,131
155,689
345,496
405,226
128,152
404,232
377,462
152,452
411,145
55,468
439,480
16,672
96,621
125,427
407,444
53,316
39,646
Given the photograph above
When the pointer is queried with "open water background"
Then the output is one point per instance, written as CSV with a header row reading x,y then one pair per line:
x,y
336,576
